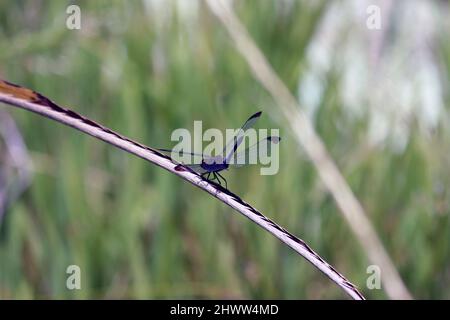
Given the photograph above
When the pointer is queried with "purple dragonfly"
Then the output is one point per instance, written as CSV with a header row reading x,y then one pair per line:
x,y
208,166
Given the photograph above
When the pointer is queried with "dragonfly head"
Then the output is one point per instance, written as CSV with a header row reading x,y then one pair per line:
x,y
274,139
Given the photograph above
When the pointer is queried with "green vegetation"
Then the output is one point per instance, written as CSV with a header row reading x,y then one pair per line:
x,y
137,231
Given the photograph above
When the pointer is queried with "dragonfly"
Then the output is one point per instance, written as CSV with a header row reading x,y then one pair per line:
x,y
209,167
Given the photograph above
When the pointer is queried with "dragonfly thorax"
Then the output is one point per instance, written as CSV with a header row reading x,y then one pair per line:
x,y
216,163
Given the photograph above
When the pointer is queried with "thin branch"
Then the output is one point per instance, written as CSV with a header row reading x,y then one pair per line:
x,y
306,137
32,101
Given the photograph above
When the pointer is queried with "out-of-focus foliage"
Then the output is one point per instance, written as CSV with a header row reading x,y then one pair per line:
x,y
136,231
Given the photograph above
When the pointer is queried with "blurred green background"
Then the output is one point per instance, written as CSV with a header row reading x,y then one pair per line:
x,y
378,98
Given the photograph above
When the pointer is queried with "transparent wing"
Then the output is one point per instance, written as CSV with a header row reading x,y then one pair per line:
x,y
169,151
197,168
183,157
250,155
232,145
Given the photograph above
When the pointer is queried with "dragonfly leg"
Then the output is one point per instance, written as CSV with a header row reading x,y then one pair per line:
x,y
226,185
218,179
204,175
214,177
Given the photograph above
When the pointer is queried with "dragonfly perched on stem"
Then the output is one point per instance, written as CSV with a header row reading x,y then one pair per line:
x,y
33,101
209,167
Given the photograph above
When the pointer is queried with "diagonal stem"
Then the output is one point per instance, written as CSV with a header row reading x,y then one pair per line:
x,y
32,101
